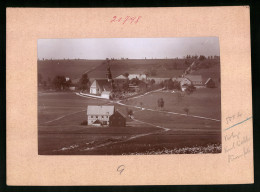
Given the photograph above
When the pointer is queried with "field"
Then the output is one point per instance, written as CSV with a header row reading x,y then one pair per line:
x,y
150,131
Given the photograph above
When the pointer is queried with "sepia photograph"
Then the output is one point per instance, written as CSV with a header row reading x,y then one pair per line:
x,y
129,96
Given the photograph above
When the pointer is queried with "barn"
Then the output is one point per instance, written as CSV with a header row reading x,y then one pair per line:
x,y
117,120
210,83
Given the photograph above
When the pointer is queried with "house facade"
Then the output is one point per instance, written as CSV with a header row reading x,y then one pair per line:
x,y
196,80
99,114
100,85
182,80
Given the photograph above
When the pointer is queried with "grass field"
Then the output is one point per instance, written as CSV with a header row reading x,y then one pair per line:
x,y
60,132
203,102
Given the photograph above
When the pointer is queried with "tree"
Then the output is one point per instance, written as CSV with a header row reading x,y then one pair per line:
x,y
186,110
152,81
190,89
84,82
125,86
129,112
59,82
202,57
160,103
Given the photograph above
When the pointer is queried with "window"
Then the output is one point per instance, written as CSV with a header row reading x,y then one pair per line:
x,y
96,116
102,116
91,116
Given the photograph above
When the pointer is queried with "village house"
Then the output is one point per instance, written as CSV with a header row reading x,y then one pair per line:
x,y
182,80
117,120
141,77
196,80
99,115
120,80
157,80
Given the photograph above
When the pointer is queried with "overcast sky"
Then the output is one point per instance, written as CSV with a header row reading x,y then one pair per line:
x,y
132,48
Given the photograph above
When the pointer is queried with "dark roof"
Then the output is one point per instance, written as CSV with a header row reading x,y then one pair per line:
x,y
117,113
104,84
100,110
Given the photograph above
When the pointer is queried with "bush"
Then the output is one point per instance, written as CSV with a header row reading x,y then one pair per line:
x,y
84,122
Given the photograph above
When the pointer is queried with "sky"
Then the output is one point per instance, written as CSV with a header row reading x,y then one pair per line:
x,y
131,48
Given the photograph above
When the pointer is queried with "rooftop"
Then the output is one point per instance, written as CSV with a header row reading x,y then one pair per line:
x,y
100,110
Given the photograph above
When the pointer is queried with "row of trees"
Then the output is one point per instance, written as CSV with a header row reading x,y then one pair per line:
x,y
60,82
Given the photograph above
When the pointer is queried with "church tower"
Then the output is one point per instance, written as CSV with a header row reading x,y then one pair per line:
x,y
109,74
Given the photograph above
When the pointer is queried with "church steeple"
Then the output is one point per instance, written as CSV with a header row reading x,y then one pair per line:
x,y
109,74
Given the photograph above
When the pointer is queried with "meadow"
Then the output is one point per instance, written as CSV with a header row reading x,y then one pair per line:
x,y
60,132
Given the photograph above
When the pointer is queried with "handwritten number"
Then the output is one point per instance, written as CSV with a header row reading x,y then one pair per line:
x,y
114,19
137,19
120,168
126,19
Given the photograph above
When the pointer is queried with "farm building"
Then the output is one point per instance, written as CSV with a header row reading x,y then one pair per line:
x,y
117,120
158,80
196,80
106,94
99,114
120,80
210,83
138,76
182,80
100,85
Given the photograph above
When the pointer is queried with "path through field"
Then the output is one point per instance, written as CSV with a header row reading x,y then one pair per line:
x,y
141,109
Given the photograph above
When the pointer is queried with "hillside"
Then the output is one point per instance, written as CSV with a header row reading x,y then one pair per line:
x,y
97,68
69,68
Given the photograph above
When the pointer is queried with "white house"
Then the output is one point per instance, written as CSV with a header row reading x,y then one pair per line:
x,y
100,85
138,76
99,114
182,80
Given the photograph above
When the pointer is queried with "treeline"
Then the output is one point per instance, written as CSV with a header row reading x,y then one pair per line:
x,y
60,83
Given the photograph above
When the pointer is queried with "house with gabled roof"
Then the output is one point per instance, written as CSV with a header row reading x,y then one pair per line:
x,y
99,114
138,76
195,79
120,80
100,85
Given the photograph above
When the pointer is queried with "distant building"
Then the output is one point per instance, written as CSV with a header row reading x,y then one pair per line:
x,y
103,87
196,80
99,114
72,88
138,76
210,83
117,120
182,80
106,94
120,80
100,85
157,80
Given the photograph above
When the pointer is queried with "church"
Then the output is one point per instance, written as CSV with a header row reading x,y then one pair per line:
x,y
103,87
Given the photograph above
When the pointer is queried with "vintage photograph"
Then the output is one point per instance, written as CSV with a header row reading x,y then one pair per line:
x,y
129,96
